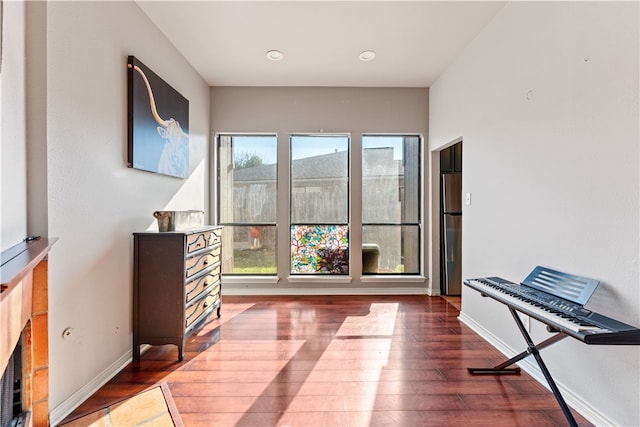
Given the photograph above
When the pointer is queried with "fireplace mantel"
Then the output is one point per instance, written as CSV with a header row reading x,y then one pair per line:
x,y
24,316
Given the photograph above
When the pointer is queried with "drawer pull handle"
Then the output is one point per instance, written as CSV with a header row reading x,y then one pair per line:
x,y
198,243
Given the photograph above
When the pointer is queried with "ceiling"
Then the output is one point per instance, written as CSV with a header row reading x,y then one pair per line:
x,y
227,41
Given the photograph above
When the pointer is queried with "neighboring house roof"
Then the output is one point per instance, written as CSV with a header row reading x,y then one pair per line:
x,y
257,173
320,167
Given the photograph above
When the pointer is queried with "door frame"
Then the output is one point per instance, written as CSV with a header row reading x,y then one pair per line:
x,y
433,262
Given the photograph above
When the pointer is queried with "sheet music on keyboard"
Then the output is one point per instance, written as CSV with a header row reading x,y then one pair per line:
x,y
557,299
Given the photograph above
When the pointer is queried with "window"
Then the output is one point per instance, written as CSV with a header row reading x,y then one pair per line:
x,y
316,230
319,204
391,204
247,172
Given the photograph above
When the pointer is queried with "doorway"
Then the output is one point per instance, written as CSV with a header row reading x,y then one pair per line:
x,y
451,220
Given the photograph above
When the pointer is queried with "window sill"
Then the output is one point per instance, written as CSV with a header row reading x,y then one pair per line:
x,y
323,278
250,279
319,278
393,279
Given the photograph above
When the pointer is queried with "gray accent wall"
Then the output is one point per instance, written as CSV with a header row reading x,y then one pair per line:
x,y
314,110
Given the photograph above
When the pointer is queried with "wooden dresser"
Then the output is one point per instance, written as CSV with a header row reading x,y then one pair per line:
x,y
176,285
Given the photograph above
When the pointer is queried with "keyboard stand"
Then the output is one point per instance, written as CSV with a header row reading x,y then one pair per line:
x,y
532,349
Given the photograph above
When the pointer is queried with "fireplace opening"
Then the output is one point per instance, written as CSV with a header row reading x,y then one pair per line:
x,y
11,391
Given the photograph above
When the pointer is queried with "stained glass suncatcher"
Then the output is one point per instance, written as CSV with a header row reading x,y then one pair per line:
x,y
319,249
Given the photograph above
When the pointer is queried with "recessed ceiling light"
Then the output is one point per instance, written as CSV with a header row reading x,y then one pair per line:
x,y
367,55
275,55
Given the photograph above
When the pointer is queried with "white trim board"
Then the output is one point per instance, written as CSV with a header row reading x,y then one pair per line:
x,y
60,412
253,291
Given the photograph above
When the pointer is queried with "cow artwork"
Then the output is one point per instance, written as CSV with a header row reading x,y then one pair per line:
x,y
156,144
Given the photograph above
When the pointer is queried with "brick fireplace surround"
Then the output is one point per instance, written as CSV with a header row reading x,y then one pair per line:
x,y
24,318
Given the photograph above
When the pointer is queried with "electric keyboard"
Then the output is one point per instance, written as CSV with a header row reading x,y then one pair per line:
x,y
556,299
557,313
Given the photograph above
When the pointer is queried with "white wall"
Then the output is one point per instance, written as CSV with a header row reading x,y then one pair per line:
x,y
95,202
546,101
13,143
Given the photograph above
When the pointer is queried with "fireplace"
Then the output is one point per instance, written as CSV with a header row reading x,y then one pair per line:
x,y
11,391
24,354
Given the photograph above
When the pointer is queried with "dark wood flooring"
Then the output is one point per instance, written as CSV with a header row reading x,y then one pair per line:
x,y
337,361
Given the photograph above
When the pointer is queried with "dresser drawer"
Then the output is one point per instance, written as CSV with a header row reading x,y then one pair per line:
x,y
205,239
208,282
216,251
200,308
198,263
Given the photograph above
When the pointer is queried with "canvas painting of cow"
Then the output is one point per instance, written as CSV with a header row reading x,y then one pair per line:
x,y
158,122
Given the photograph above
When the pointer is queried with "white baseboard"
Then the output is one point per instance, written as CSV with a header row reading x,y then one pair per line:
x,y
573,400
409,290
60,412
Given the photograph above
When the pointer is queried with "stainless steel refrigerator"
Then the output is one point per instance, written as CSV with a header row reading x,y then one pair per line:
x,y
452,233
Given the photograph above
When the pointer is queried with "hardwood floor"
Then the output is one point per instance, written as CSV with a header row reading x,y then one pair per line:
x,y
337,361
